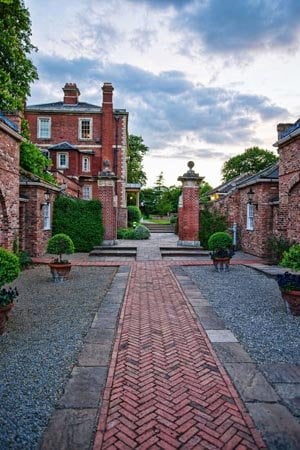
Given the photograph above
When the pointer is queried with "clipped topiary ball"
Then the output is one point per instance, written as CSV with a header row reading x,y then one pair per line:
x,y
60,244
220,241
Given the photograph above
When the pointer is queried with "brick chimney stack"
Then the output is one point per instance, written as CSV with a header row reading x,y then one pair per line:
x,y
71,94
107,124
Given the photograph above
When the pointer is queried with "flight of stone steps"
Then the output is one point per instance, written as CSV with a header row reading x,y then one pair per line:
x,y
159,228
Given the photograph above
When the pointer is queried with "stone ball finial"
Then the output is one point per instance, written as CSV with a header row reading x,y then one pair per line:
x,y
190,164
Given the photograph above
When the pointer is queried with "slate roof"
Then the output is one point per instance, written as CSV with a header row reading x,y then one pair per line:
x,y
63,146
63,107
8,122
267,174
227,187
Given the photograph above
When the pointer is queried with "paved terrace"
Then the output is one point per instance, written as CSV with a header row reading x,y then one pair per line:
x,y
164,386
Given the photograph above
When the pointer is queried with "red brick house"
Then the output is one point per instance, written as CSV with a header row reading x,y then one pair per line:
x,y
79,138
267,203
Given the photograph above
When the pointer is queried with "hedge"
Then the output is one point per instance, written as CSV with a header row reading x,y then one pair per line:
x,y
79,219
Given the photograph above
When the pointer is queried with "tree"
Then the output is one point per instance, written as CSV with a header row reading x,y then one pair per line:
x,y
204,188
17,71
136,151
251,161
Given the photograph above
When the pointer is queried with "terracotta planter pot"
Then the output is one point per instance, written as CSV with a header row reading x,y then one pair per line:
x,y
60,272
4,313
292,299
221,263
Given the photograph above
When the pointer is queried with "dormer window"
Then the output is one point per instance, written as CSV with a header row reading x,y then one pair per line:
x,y
85,128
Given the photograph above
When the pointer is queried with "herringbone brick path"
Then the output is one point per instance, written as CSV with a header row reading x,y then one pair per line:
x,y
165,388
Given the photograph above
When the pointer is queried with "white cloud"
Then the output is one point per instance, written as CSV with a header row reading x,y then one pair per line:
x,y
200,80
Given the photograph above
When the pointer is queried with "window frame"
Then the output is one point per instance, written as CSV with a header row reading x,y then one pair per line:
x,y
88,168
39,119
58,161
90,190
80,121
47,216
250,217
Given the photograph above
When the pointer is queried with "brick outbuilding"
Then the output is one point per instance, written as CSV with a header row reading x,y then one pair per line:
x,y
268,203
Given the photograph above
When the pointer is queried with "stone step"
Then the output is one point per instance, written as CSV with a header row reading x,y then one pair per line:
x,y
183,251
159,228
113,251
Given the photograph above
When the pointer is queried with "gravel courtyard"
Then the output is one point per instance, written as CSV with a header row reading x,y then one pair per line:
x,y
44,336
251,306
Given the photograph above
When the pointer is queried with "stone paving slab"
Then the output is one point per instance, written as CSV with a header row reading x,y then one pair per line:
x,y
95,354
84,388
231,352
250,382
290,393
277,424
70,429
221,336
281,372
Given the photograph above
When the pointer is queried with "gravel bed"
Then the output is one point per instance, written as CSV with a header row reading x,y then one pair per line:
x,y
251,306
44,336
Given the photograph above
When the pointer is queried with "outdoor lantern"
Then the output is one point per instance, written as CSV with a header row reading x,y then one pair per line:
x,y
250,194
47,194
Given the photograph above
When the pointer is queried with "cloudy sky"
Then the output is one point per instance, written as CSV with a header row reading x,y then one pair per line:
x,y
202,79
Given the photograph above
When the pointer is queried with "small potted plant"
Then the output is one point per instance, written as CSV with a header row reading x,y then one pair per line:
x,y
221,245
60,244
289,283
9,271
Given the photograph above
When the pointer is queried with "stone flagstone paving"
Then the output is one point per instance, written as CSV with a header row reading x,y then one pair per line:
x,y
165,387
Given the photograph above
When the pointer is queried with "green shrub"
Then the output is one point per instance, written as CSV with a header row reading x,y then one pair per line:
x,y
79,219
291,258
125,233
141,232
60,244
276,246
210,222
9,266
220,241
24,259
134,215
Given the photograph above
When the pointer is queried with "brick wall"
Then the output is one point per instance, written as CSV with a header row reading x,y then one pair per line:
x,y
9,186
106,194
289,190
34,238
189,214
234,208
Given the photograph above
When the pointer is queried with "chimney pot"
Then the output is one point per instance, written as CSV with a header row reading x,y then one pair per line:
x,y
71,94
